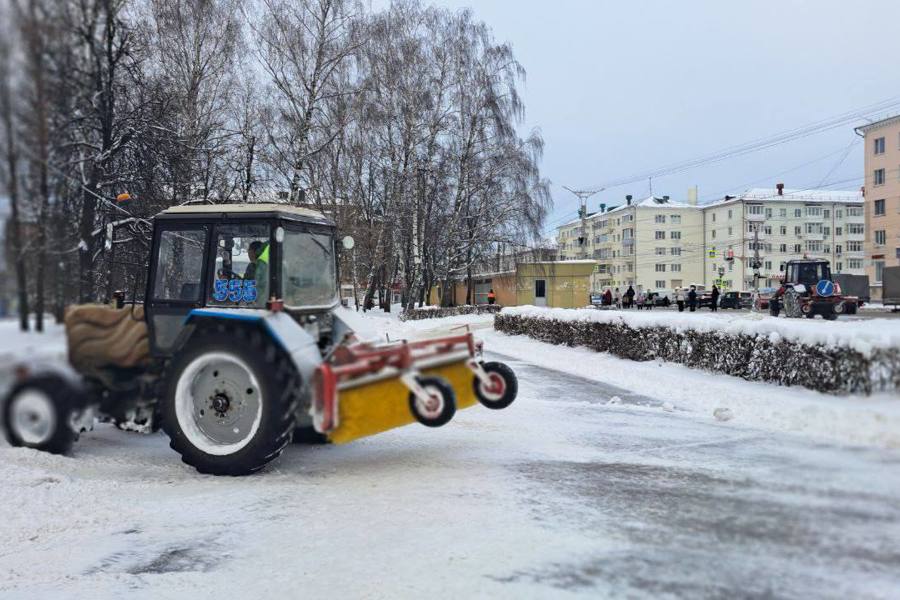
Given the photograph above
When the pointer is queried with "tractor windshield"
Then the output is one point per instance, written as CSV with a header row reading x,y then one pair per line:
x,y
308,269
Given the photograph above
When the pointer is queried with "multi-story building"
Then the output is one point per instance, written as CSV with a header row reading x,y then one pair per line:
x,y
654,244
777,225
882,204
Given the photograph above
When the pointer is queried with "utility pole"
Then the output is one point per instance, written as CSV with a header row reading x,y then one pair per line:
x,y
583,195
756,263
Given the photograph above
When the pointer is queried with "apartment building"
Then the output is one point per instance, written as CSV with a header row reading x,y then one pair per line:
x,y
778,225
882,202
654,244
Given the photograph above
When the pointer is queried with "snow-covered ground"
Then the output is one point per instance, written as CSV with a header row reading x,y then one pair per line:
x,y
605,478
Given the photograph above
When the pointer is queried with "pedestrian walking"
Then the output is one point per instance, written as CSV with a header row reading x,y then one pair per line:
x,y
607,297
629,296
692,299
492,297
640,300
679,299
715,299
617,296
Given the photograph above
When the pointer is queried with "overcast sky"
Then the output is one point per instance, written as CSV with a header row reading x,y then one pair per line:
x,y
622,87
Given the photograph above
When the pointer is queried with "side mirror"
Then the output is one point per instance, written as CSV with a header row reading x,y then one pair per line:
x,y
348,242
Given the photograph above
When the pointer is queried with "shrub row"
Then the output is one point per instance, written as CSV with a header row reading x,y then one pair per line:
x,y
437,312
755,358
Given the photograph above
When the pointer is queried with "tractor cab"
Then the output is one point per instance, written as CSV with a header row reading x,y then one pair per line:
x,y
237,256
807,272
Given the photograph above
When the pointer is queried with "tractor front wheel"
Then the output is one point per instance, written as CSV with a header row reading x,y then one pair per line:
x,y
37,413
231,400
503,387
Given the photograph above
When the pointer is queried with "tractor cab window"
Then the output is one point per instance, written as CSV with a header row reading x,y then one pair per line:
x,y
809,273
308,269
179,266
241,266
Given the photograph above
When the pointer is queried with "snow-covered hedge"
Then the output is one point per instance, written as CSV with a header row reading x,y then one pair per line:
x,y
857,356
436,312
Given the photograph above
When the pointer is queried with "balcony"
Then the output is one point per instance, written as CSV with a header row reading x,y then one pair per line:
x,y
814,237
750,218
628,242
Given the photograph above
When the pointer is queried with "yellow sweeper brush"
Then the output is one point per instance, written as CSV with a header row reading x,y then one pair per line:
x,y
368,389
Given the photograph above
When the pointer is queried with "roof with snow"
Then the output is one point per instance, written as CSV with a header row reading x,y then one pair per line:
x,y
801,195
878,124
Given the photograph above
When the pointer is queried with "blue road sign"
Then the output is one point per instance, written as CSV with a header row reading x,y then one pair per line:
x,y
825,288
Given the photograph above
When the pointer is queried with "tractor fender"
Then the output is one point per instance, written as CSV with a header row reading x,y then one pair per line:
x,y
298,344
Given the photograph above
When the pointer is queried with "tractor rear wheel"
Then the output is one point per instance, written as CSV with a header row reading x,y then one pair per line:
x,y
231,400
37,413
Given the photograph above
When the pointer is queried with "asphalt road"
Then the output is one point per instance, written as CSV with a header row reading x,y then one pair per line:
x,y
579,489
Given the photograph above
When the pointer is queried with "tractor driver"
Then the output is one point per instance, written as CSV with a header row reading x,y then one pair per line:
x,y
259,254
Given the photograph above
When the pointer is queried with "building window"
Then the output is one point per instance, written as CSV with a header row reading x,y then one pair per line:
x,y
856,211
660,235
782,212
755,209
660,218
838,249
798,212
767,230
676,268
854,246
783,230
729,214
660,268
839,214
856,228
879,270
660,251
879,208
768,213
879,145
768,265
676,251
897,250
855,263
798,248
713,234
714,217
880,238
675,219
675,235
840,267
826,213
730,230
879,177
826,231
782,248
660,283
838,231
813,211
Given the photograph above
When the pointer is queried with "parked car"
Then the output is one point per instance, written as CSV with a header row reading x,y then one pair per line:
x,y
736,300
761,302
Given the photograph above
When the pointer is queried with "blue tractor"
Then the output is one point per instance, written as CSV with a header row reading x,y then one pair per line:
x,y
239,348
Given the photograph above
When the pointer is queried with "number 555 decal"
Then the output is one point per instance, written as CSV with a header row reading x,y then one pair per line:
x,y
235,290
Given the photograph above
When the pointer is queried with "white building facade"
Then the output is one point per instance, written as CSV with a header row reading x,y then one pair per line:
x,y
777,225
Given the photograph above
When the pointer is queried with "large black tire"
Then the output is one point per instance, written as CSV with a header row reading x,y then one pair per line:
x,y
56,401
506,378
447,397
279,385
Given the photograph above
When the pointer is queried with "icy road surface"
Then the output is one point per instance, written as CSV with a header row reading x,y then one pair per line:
x,y
561,495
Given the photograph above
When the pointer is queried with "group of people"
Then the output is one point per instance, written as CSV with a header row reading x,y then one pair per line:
x,y
689,299
630,299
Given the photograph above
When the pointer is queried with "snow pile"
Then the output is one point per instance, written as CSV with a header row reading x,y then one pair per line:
x,y
824,356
